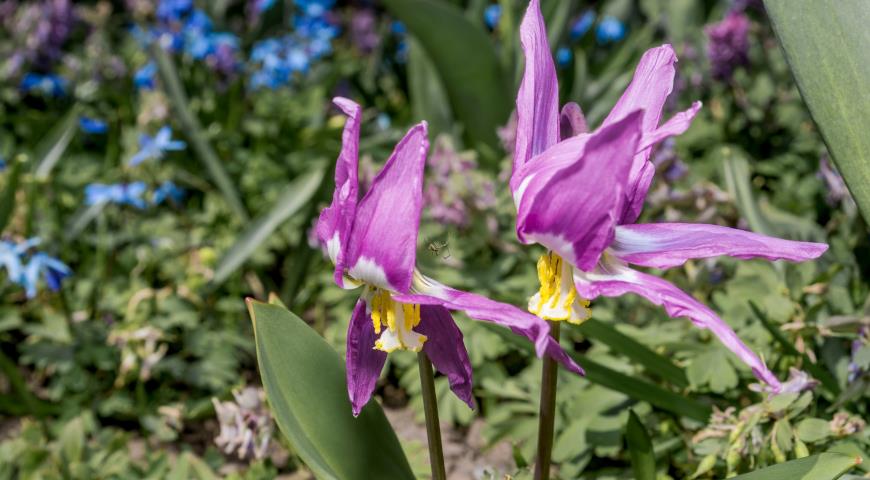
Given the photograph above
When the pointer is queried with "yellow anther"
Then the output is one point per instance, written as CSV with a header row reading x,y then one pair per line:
x,y
557,298
399,333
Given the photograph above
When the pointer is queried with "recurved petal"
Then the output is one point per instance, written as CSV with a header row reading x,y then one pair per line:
x,y
430,292
666,245
336,221
653,81
383,243
613,278
572,122
640,181
445,349
574,208
364,363
538,96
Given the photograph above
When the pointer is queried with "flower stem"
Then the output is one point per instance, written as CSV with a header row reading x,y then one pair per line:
x,y
547,415
433,428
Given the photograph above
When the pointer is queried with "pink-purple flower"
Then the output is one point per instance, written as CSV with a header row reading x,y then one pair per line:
x,y
579,193
373,242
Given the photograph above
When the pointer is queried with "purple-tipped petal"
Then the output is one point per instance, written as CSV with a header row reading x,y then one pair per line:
x,y
666,245
653,81
538,97
445,349
335,222
613,279
572,122
677,124
364,363
574,208
639,185
484,309
383,244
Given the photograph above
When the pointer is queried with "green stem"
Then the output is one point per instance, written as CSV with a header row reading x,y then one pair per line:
x,y
433,428
547,414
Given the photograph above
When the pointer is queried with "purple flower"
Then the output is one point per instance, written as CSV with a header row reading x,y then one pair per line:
x,y
363,30
728,44
38,29
580,193
157,146
454,187
837,191
373,244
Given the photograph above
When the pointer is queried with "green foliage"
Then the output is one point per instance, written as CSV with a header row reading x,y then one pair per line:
x,y
825,45
306,388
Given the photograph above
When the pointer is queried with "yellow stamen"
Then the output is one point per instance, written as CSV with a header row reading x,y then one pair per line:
x,y
557,298
399,334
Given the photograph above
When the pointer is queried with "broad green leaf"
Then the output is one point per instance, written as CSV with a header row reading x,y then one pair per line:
x,y
620,382
428,99
826,44
296,195
467,62
636,351
193,131
640,449
54,144
812,430
7,199
826,466
304,381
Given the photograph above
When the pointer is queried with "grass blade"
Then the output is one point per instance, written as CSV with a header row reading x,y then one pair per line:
x,y
640,449
52,147
296,195
193,131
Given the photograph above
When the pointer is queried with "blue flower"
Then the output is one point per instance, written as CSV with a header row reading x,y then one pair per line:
x,y
582,25
173,10
398,28
563,56
51,85
609,30
261,6
119,193
50,268
2,163
155,147
491,15
144,77
315,8
10,256
93,126
167,191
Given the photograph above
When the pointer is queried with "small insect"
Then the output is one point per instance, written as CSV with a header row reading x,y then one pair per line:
x,y
436,247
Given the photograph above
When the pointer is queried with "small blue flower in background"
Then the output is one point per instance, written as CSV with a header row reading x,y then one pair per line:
x,y
155,147
167,191
93,126
172,10
315,8
398,28
10,256
582,25
50,85
119,193
609,30
491,15
50,268
564,56
144,77
2,163
383,121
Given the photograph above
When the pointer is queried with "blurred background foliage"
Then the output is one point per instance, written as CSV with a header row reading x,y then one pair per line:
x,y
171,157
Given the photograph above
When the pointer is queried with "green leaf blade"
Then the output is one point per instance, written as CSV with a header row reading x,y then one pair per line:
x,y
640,449
305,384
478,90
826,44
826,466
